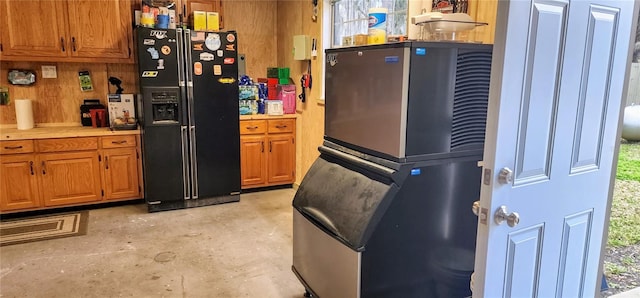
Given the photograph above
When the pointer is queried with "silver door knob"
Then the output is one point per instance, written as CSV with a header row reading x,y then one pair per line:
x,y
502,215
505,176
476,208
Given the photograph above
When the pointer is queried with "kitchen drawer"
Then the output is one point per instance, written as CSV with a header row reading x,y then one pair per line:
x,y
11,147
281,125
118,141
67,144
248,127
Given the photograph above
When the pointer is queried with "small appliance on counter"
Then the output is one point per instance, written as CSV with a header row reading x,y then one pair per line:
x,y
85,111
122,112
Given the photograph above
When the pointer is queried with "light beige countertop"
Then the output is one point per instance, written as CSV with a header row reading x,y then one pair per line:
x,y
264,116
60,132
49,132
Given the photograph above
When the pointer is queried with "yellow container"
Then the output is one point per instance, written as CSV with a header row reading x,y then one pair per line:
x,y
377,25
147,20
199,20
360,39
213,21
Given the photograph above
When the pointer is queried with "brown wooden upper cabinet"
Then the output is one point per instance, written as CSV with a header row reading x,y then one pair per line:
x,y
202,5
66,31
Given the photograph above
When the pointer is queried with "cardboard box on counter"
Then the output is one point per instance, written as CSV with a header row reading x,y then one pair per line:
x,y
122,111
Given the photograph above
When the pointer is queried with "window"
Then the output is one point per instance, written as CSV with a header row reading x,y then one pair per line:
x,y
351,17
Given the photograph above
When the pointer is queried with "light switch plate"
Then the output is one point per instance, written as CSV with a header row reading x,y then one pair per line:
x,y
49,72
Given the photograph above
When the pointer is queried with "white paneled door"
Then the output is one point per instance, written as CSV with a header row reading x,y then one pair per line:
x,y
558,79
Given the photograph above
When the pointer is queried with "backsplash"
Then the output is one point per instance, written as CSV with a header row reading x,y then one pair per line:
x,y
58,100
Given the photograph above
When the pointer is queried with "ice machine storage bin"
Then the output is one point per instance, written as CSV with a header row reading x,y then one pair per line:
x,y
368,186
364,227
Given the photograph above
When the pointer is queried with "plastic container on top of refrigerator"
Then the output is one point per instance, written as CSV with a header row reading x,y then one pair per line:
x,y
437,26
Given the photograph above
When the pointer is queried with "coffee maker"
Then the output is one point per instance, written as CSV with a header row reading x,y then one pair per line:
x,y
93,113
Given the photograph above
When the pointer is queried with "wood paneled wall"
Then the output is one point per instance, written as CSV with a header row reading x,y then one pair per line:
x,y
265,35
294,18
484,11
58,100
255,22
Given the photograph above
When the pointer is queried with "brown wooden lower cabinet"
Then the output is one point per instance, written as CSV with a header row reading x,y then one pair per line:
x,y
45,173
120,173
18,182
267,152
69,178
282,158
253,161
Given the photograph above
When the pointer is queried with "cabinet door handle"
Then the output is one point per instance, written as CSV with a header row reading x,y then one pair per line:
x,y
44,168
106,162
73,43
262,144
252,127
31,168
119,142
270,146
62,44
281,126
12,147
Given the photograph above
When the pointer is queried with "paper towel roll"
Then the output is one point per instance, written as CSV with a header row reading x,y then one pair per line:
x,y
24,113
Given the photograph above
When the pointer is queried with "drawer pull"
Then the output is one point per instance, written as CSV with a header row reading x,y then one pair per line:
x,y
31,167
252,127
119,142
44,169
12,147
281,126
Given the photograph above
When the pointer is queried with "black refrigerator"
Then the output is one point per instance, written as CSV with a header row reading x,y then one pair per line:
x,y
190,118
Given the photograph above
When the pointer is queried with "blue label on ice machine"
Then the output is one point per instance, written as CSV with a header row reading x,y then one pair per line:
x,y
391,59
415,172
421,51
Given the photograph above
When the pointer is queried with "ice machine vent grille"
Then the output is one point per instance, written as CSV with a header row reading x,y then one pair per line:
x,y
470,100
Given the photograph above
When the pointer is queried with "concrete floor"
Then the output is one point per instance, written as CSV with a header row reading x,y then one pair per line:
x,y
231,250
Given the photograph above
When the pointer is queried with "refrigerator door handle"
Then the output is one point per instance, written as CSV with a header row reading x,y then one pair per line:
x,y
194,163
183,67
185,157
180,50
189,77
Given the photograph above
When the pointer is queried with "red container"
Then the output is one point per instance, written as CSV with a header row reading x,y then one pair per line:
x,y
272,91
272,82
287,93
98,117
